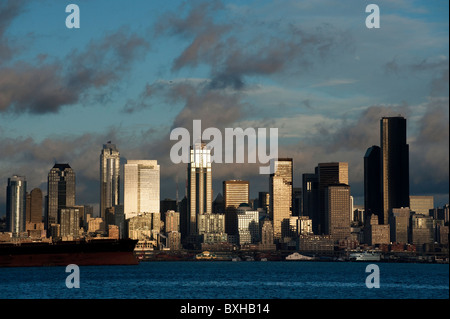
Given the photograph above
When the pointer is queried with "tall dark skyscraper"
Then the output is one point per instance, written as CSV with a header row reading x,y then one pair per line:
x,y
310,185
15,204
60,190
372,183
394,165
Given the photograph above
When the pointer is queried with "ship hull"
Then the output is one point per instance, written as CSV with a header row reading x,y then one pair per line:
x,y
97,252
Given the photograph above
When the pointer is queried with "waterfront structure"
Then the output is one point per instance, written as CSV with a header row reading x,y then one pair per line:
x,y
60,192
394,165
199,188
248,225
400,225
15,205
70,223
141,187
172,221
280,192
109,178
145,227
235,192
329,174
211,228
421,204
422,230
372,182
315,243
267,240
337,211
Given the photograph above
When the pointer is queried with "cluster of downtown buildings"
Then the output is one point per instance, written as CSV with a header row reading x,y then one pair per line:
x,y
319,216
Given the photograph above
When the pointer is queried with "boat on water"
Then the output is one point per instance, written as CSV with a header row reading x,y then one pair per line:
x,y
297,256
63,253
365,256
206,255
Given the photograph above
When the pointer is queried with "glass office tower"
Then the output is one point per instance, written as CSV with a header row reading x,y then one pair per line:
x,y
15,205
109,178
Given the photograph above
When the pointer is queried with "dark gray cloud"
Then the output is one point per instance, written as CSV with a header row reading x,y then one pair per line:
x,y
231,58
9,10
47,86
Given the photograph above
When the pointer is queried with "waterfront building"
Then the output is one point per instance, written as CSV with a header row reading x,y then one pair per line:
x,y
267,240
70,223
400,225
248,225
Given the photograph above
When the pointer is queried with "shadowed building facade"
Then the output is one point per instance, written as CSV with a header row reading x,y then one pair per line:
x,y
109,178
61,192
394,165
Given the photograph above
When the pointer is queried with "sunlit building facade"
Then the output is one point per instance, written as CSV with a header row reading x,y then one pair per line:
x,y
280,192
199,186
141,187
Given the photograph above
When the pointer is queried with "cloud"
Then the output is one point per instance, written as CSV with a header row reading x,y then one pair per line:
x,y
9,10
47,87
263,51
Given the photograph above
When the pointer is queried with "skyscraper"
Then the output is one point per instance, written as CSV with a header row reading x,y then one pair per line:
x,y
141,187
310,185
34,206
372,183
199,186
394,165
337,211
235,193
15,205
329,174
280,192
109,178
60,192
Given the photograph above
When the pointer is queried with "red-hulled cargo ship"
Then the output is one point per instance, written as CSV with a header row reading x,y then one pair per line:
x,y
81,253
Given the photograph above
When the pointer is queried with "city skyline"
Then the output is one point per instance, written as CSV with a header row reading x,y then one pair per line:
x,y
313,70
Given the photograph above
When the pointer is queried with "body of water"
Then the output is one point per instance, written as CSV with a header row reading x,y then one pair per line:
x,y
229,280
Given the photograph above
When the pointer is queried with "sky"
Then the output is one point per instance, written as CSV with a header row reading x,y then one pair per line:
x,y
135,70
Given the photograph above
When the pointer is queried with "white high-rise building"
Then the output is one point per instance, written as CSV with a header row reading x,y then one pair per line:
x,y
141,187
